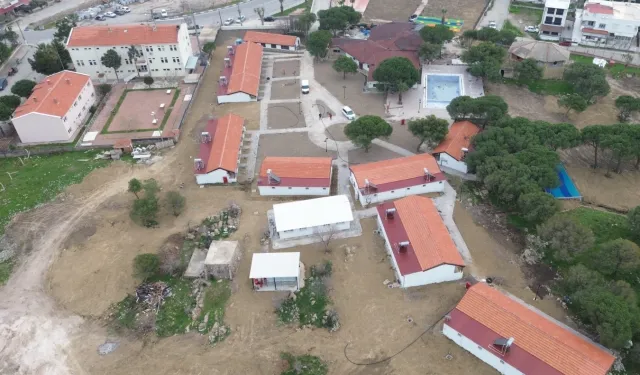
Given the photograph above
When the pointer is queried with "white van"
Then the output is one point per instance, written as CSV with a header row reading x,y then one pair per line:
x,y
163,13
304,84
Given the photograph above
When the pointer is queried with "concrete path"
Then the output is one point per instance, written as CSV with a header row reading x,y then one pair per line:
x,y
498,13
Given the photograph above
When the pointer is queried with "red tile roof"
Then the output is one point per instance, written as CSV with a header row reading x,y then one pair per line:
x,y
246,68
394,170
417,220
270,38
598,8
122,35
537,335
459,136
297,171
54,95
594,31
222,152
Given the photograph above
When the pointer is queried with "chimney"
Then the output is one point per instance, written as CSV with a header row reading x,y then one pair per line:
x,y
67,80
49,82
35,99
403,246
390,212
55,100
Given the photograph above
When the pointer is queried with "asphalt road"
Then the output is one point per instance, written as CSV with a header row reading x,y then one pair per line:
x,y
498,13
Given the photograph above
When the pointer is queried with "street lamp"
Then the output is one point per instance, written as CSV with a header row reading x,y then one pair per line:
x,y
326,146
344,92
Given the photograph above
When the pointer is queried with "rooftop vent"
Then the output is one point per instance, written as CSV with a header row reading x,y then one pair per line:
x,y
272,177
68,81
205,137
428,176
390,212
227,62
230,50
403,246
55,100
369,184
198,164
503,345
49,82
223,80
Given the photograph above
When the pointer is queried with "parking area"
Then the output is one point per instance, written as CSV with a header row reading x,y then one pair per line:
x,y
285,116
286,68
286,89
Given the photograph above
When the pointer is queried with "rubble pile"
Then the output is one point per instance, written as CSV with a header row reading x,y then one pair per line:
x,y
153,294
216,227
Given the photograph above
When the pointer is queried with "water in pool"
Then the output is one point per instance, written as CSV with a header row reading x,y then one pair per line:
x,y
442,88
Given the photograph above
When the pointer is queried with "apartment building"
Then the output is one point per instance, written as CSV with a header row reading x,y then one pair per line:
x,y
162,51
608,24
554,19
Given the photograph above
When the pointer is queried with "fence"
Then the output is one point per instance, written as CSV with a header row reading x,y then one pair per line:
x,y
43,150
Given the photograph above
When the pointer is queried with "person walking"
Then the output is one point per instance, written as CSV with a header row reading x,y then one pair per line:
x,y
330,116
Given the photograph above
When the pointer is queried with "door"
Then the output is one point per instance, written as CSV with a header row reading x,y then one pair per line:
x,y
225,180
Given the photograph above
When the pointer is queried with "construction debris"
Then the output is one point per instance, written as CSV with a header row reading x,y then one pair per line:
x,y
107,347
153,294
110,155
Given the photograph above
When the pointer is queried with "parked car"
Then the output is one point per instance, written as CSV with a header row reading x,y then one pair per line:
x,y
348,113
3,83
240,19
229,21
119,12
100,17
125,9
163,13
565,43
110,14
269,19
12,71
413,17
493,25
304,86
531,29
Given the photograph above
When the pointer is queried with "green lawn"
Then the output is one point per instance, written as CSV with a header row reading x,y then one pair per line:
x,y
511,27
605,226
40,179
291,10
174,315
530,13
5,270
214,303
546,86
616,70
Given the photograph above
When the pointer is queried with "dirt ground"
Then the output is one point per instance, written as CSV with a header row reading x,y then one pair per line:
x,y
291,144
286,68
285,116
336,132
467,10
288,89
390,11
402,137
135,111
352,95
376,153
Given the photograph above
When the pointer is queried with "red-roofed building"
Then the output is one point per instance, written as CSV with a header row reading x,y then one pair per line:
x,y
295,176
451,152
422,252
396,178
517,339
7,6
162,50
240,77
273,41
56,109
220,147
395,39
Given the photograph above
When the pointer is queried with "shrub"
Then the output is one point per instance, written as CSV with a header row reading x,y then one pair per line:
x,y
145,265
103,89
175,202
148,81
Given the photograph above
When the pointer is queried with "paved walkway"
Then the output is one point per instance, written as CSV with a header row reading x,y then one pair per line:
x,y
498,13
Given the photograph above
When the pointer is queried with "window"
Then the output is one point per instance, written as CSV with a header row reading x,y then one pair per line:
x,y
64,119
602,26
164,60
551,10
408,188
459,334
176,60
306,188
423,185
548,20
553,33
80,97
84,107
557,21
93,94
501,361
559,12
273,187
289,187
126,61
324,188
79,62
69,130
393,191
591,23
479,347
75,104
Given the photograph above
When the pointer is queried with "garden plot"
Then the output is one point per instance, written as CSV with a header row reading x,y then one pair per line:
x,y
285,89
285,116
286,68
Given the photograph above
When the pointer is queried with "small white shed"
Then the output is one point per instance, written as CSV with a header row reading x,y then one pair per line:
x,y
222,259
276,272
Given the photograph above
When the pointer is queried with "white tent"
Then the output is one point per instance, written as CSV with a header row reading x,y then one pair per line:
x,y
276,271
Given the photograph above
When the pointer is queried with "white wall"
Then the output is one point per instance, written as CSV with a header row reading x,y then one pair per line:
x,y
448,161
620,27
39,128
440,274
432,187
215,177
485,354
293,191
305,232
279,47
238,97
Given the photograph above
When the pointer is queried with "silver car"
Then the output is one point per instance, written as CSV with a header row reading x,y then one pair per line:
x,y
229,21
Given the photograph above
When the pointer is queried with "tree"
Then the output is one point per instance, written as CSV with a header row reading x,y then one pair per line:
x,y
209,47
23,87
588,80
111,59
338,18
145,265
306,20
430,51
50,58
176,202
10,36
527,70
566,238
627,58
627,105
617,257
345,65
572,101
365,129
537,207
260,12
619,145
430,130
145,210
592,135
439,34
580,277
64,26
11,101
561,135
485,60
325,237
5,112
148,80
634,220
483,111
5,52
396,74
135,186
318,42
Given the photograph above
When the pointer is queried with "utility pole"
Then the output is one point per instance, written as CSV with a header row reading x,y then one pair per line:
x,y
220,15
239,13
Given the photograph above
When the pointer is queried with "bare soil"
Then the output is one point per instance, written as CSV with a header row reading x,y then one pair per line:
x,y
286,68
351,95
402,137
376,153
390,11
285,116
467,10
287,89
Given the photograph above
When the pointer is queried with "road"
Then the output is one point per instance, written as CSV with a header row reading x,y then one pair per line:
x,y
498,13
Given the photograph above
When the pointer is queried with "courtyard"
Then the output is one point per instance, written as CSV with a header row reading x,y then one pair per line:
x,y
285,89
285,116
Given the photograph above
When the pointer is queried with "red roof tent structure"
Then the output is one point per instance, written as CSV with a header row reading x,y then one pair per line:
x,y
395,39
458,137
296,171
245,69
222,151
396,173
541,345
416,220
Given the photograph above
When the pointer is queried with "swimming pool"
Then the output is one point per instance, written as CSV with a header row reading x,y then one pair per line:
x,y
567,189
443,88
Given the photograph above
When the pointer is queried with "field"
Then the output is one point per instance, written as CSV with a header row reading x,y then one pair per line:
x,y
616,70
467,10
384,10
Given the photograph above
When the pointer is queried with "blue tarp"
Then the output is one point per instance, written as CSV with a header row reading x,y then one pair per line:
x,y
567,189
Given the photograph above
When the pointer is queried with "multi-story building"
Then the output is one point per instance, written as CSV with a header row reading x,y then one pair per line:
x,y
608,24
554,18
162,51
56,108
